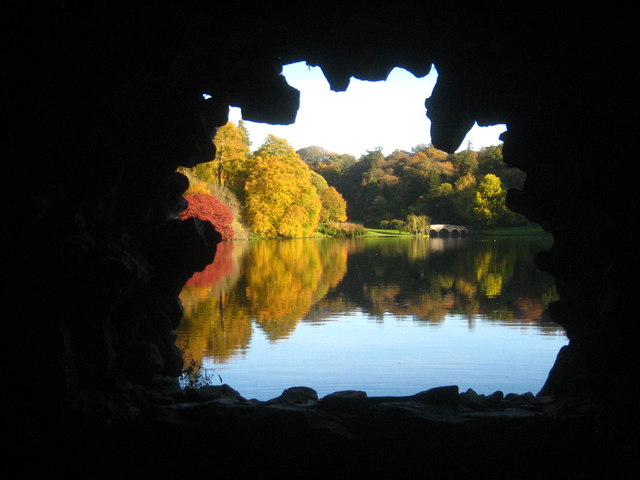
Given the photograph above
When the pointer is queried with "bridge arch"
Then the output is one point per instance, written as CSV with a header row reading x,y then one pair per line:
x,y
446,230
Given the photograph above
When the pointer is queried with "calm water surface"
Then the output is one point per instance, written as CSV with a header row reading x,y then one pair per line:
x,y
390,316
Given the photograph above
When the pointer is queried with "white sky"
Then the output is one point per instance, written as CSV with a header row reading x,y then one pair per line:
x,y
389,114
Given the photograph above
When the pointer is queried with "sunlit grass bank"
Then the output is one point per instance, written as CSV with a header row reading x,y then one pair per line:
x,y
380,232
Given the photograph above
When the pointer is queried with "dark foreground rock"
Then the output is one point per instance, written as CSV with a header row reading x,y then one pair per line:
x,y
439,433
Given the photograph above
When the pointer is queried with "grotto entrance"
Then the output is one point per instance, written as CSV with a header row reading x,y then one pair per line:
x,y
115,93
242,337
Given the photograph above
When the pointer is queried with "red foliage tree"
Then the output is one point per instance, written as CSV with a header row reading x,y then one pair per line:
x,y
221,267
207,207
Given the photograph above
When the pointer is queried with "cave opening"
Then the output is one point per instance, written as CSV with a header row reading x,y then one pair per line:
x,y
226,357
385,113
103,195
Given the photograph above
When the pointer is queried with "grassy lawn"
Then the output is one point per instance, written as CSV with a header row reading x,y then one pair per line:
x,y
380,232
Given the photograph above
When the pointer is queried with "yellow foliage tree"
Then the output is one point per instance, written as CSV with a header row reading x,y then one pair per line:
x,y
280,200
232,160
334,207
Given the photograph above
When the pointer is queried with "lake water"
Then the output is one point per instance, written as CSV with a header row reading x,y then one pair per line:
x,y
388,315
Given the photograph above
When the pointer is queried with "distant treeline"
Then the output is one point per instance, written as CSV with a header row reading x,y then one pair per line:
x,y
468,187
276,192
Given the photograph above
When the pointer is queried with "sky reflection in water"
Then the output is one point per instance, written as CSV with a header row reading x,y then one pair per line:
x,y
390,316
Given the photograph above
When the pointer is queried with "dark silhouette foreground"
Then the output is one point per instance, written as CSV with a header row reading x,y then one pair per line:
x,y
109,103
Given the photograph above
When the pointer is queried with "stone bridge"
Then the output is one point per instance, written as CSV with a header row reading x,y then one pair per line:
x,y
447,230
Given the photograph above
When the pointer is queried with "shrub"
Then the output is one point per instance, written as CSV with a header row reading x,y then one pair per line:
x,y
342,229
207,207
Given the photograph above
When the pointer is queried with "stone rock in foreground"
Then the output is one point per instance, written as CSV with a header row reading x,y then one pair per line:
x,y
439,433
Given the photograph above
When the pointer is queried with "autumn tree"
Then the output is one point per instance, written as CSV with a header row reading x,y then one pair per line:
x,y
221,193
280,200
195,184
464,182
334,207
319,182
231,162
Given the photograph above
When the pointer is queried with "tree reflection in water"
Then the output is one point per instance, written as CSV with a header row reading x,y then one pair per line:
x,y
274,284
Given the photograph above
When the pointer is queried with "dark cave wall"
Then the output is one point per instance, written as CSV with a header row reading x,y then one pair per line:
x,y
122,108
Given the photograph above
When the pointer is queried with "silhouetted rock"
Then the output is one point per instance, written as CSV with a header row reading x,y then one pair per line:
x,y
297,396
212,392
440,396
110,102
345,401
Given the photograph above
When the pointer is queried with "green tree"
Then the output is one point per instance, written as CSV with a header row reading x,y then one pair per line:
x,y
489,202
490,159
465,162
417,224
397,224
314,155
445,189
